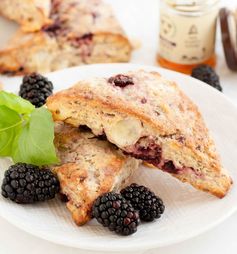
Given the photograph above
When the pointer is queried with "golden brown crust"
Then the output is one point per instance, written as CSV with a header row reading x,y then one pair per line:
x,y
89,167
39,52
32,15
168,117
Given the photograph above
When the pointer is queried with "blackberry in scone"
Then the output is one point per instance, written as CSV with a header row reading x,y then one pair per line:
x,y
151,120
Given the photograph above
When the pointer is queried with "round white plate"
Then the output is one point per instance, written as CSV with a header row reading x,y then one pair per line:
x,y
188,212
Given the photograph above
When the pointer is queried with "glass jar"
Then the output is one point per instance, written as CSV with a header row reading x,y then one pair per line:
x,y
187,33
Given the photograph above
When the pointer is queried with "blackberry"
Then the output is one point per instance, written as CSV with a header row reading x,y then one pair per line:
x,y
121,80
25,183
113,211
206,74
36,89
150,206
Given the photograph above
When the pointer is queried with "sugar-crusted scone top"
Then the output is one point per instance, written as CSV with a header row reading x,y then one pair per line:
x,y
152,99
75,18
150,118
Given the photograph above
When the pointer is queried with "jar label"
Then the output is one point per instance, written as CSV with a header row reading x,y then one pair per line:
x,y
186,39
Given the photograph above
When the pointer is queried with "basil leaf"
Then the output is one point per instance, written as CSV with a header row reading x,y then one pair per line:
x,y
15,103
10,125
34,144
26,133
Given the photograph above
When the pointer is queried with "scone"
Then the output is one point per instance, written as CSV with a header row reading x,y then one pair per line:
x,y
89,167
82,32
32,15
149,118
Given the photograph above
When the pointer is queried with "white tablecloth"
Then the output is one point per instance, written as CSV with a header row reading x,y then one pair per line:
x,y
140,19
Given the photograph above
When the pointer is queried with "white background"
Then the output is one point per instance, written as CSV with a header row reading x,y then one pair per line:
x,y
140,20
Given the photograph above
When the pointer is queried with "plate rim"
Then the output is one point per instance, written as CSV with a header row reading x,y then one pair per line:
x,y
142,245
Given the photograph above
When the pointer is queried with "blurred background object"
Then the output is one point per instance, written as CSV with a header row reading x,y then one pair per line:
x,y
140,20
79,32
187,34
228,23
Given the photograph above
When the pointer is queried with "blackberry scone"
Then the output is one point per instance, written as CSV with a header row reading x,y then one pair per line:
x,y
32,15
90,167
82,32
149,118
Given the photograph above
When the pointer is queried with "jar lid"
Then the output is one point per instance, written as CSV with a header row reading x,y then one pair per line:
x,y
228,23
191,5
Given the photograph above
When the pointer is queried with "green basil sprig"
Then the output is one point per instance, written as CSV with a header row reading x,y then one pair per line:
x,y
26,132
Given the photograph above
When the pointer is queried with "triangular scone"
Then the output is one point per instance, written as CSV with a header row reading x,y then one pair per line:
x,y
82,32
32,15
149,118
89,168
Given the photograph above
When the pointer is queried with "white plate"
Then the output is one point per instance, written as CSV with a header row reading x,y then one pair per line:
x,y
188,212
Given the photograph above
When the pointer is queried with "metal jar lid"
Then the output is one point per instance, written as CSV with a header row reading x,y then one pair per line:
x,y
191,5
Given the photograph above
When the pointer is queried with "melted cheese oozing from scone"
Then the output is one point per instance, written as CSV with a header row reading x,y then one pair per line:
x,y
125,132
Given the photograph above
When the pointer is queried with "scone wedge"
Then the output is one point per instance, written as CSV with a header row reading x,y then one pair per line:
x,y
32,15
81,32
89,168
149,118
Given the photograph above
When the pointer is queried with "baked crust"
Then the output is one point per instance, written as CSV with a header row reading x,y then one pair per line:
x,y
89,167
151,119
32,15
82,32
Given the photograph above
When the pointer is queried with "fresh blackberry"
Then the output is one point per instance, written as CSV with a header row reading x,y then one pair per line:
x,y
150,206
113,211
36,89
206,74
25,183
